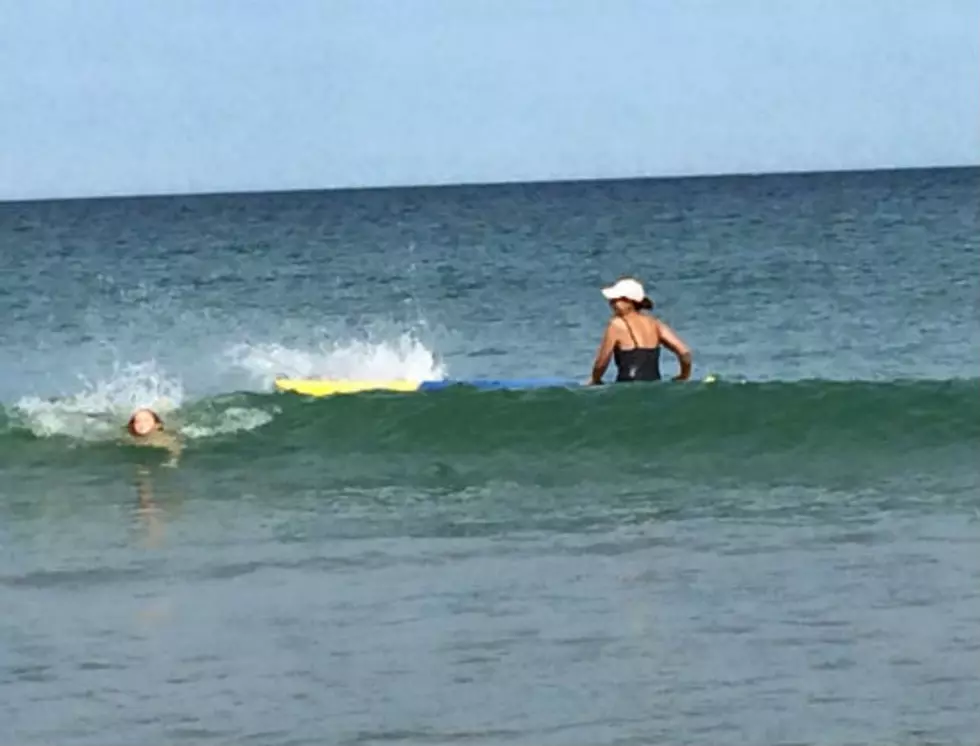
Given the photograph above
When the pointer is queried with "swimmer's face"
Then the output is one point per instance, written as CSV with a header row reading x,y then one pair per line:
x,y
143,423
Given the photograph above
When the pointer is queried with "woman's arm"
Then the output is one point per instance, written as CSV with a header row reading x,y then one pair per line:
x,y
675,344
603,355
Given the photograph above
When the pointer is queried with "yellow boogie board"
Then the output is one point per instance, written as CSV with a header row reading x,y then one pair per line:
x,y
329,387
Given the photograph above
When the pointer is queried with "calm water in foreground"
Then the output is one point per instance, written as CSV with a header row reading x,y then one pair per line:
x,y
789,555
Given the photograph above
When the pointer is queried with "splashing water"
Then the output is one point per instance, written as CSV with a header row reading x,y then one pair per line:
x,y
102,407
405,358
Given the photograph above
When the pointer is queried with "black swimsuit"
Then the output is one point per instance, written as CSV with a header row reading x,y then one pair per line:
x,y
638,364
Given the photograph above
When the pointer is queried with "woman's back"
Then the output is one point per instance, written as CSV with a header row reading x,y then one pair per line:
x,y
637,350
637,330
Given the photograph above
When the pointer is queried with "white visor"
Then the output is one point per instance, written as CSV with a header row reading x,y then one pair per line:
x,y
629,289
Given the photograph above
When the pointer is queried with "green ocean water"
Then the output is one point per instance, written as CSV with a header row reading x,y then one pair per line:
x,y
787,555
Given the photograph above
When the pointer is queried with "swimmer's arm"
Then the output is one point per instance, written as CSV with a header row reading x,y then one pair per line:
x,y
602,356
174,445
670,340
168,441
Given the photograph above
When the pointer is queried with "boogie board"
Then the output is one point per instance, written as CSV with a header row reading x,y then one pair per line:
x,y
333,386
330,387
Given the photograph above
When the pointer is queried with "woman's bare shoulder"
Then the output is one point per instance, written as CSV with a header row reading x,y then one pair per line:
x,y
617,326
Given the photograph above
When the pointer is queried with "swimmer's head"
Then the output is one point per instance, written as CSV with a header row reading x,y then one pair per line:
x,y
143,422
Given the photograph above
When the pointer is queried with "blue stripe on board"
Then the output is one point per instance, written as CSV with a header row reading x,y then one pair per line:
x,y
498,383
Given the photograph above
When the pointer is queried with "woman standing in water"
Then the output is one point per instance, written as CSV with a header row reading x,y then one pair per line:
x,y
633,338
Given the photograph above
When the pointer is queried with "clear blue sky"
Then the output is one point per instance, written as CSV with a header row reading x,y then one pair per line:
x,y
105,97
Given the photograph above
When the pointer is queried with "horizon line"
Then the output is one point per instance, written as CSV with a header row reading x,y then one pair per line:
x,y
480,184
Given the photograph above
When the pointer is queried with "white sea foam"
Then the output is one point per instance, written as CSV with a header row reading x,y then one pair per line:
x,y
98,409
101,408
227,421
402,358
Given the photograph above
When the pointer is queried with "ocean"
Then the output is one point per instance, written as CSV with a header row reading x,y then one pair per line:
x,y
788,554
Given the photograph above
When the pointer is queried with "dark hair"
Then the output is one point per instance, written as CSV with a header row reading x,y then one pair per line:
x,y
644,305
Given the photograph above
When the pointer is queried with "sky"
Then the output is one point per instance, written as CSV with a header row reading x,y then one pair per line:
x,y
122,97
